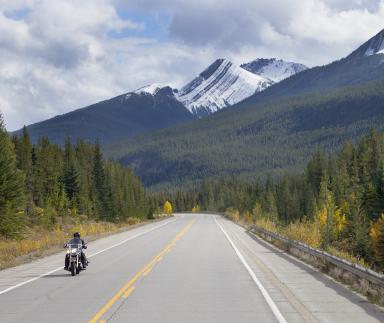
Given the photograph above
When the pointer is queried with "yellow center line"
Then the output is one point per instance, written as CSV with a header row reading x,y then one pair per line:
x,y
129,291
161,258
128,285
146,273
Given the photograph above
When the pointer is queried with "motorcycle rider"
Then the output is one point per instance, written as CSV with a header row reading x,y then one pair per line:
x,y
76,240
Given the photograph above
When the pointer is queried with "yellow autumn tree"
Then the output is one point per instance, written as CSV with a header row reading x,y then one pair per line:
x,y
337,218
331,218
376,234
248,217
257,211
233,214
167,208
196,209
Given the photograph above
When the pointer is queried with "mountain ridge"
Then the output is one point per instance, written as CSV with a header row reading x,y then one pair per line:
x,y
233,85
353,69
273,68
221,84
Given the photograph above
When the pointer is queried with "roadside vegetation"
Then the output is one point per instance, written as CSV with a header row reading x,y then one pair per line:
x,y
336,204
39,241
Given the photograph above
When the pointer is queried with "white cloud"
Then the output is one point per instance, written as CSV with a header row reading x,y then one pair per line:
x,y
311,31
58,55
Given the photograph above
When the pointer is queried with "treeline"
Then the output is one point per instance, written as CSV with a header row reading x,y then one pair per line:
x,y
43,183
341,195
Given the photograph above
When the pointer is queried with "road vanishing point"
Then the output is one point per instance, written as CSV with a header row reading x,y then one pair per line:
x,y
188,268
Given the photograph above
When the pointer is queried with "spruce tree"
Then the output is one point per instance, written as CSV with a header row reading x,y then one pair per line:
x,y
11,187
101,194
380,247
70,175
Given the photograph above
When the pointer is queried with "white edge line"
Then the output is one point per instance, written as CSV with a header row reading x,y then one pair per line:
x,y
263,291
90,256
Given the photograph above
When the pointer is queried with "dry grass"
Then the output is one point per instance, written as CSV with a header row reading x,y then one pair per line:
x,y
304,231
36,241
307,231
347,256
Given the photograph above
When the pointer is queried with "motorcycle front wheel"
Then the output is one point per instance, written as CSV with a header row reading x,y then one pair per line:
x,y
73,269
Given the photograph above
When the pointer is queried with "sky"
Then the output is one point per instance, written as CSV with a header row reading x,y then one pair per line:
x,y
60,55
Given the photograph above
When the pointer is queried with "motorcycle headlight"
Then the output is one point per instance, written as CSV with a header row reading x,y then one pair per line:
x,y
74,250
68,251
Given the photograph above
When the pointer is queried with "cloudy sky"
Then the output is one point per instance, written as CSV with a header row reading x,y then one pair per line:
x,y
59,55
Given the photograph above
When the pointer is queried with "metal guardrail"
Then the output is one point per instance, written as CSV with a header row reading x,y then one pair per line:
x,y
357,270
368,274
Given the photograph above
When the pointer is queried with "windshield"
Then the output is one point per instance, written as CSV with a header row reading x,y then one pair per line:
x,y
74,245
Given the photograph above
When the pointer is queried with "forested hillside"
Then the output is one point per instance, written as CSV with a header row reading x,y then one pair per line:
x,y
42,184
252,142
337,202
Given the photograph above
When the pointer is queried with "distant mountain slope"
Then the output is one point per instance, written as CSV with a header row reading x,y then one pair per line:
x,y
256,140
363,65
273,69
116,119
220,85
372,47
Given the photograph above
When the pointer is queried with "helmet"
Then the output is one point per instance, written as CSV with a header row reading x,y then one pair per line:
x,y
76,235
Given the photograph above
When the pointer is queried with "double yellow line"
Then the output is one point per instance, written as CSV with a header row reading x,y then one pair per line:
x,y
128,288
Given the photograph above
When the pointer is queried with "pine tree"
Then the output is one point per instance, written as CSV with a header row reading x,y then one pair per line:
x,y
11,187
315,171
23,151
101,193
70,175
380,247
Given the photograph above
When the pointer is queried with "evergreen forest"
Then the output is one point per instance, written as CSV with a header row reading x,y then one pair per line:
x,y
335,203
43,182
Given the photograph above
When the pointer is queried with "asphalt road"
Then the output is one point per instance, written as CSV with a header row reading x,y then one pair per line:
x,y
191,268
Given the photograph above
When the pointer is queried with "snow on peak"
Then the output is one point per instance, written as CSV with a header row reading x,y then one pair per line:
x,y
149,89
220,85
223,84
373,46
376,45
273,69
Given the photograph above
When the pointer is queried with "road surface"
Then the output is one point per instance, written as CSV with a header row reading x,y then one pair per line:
x,y
190,268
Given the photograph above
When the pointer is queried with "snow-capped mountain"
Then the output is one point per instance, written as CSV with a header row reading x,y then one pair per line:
x,y
273,69
373,46
220,85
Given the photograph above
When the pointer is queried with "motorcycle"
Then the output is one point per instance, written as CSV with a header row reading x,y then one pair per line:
x,y
74,254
